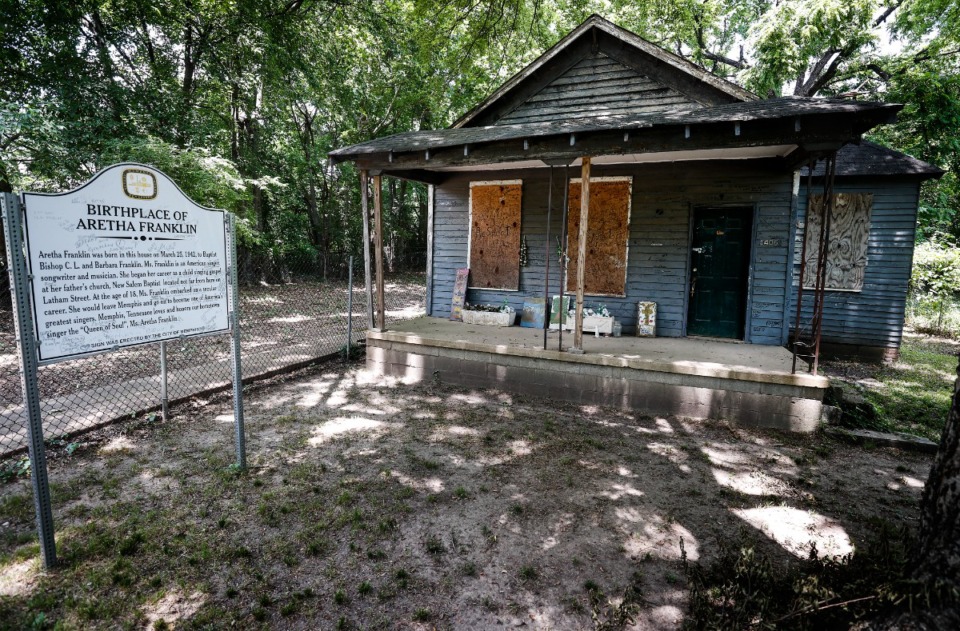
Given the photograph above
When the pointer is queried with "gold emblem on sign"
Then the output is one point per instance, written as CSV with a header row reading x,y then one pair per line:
x,y
139,184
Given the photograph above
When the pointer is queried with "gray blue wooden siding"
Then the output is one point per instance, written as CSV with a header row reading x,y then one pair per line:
x,y
658,258
874,316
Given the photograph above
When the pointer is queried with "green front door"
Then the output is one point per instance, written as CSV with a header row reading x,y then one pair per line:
x,y
720,260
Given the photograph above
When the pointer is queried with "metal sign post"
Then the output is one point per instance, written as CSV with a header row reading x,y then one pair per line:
x,y
20,294
235,324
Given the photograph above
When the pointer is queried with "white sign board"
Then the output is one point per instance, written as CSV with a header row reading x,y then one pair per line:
x,y
125,259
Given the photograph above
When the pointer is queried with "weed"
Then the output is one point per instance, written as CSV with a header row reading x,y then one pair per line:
x,y
528,573
469,569
364,589
423,463
434,545
422,614
460,493
231,592
339,597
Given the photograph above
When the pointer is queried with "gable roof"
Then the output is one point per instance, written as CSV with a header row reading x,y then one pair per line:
x,y
599,47
606,92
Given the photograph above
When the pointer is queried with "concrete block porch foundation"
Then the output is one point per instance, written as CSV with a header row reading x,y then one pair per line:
x,y
748,385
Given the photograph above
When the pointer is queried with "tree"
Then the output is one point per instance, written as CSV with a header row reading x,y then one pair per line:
x,y
933,583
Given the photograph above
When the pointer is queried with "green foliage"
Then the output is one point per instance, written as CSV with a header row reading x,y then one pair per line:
x,y
744,589
911,395
209,180
934,303
936,270
241,102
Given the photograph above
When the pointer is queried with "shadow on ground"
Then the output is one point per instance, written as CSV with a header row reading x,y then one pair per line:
x,y
374,504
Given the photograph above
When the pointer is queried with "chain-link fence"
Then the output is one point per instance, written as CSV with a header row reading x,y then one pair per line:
x,y
939,315
292,312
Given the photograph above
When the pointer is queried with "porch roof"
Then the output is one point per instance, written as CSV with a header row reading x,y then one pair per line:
x,y
797,127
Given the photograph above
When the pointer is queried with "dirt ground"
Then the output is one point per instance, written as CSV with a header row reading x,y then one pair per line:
x,y
374,504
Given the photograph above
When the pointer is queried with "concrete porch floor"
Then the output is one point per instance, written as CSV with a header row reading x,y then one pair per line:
x,y
746,384
689,356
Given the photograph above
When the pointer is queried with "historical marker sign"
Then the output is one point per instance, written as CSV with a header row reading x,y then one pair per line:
x,y
125,259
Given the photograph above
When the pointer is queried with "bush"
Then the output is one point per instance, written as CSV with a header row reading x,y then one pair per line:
x,y
934,304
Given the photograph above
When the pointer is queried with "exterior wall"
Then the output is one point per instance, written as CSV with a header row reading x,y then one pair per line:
x,y
659,249
869,323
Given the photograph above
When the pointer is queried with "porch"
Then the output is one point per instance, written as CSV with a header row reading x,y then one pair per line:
x,y
747,384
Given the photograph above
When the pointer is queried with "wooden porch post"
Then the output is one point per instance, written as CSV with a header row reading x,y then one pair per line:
x,y
582,252
367,277
378,245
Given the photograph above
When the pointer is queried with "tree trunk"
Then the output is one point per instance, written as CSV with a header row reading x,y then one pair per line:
x,y
936,570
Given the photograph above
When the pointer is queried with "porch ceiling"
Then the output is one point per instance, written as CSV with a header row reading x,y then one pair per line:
x,y
741,153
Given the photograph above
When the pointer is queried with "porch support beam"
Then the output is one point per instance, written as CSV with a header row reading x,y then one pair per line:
x,y
367,274
582,253
378,245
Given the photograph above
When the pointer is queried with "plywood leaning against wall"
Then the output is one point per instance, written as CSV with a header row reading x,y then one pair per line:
x,y
849,232
608,233
495,234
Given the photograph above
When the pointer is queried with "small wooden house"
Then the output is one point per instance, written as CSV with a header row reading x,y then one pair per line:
x,y
621,173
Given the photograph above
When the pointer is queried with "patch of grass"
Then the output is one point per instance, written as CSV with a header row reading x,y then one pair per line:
x,y
422,614
914,392
423,463
528,573
434,545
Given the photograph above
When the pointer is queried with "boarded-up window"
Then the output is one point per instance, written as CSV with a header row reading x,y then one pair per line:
x,y
495,234
849,231
608,233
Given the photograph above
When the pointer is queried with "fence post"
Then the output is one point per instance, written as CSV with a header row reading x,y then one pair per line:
x,y
241,442
27,347
349,307
164,399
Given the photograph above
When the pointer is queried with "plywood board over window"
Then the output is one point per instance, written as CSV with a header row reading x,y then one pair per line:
x,y
495,234
608,234
849,233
